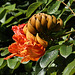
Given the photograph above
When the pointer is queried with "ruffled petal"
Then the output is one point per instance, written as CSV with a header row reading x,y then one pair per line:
x,y
28,49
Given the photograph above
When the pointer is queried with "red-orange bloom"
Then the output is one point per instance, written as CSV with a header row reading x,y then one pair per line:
x,y
28,49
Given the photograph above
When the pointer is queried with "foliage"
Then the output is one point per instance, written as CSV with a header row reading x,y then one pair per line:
x,y
59,58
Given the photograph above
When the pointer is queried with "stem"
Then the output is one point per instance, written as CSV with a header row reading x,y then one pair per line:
x,y
70,32
68,37
69,8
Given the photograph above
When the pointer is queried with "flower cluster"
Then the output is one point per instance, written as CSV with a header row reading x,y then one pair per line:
x,y
28,49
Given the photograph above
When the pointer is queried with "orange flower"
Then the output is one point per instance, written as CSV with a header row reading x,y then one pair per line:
x,y
28,49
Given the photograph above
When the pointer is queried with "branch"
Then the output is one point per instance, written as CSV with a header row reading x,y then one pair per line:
x,y
68,7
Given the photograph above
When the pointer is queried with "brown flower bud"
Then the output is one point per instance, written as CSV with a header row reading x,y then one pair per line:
x,y
49,24
41,41
38,25
31,28
32,21
30,36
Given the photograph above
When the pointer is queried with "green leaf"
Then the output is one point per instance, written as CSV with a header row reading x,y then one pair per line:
x,y
49,1
69,68
64,9
53,8
61,42
2,14
5,52
62,12
12,17
11,7
14,23
1,10
3,65
8,20
42,72
65,51
72,29
74,42
44,1
28,66
1,61
17,65
71,1
54,47
12,63
3,48
73,52
23,11
37,67
65,37
48,57
32,8
3,19
69,17
72,71
45,9
18,14
54,73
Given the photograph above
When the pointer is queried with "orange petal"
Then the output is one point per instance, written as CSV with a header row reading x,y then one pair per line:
x,y
10,56
25,59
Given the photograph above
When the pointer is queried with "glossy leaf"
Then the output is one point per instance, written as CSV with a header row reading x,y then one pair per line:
x,y
1,10
53,8
73,52
11,7
2,14
65,51
45,9
5,52
9,20
1,49
17,65
44,1
42,72
3,65
54,47
12,17
49,1
71,1
32,8
64,9
14,23
12,63
1,61
48,57
69,17
37,67
54,73
3,19
74,42
28,66
72,71
61,42
69,68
